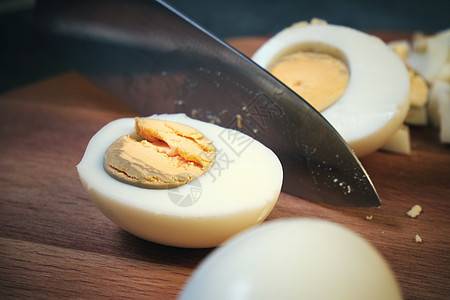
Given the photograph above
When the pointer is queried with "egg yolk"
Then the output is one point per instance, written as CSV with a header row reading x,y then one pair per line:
x,y
319,78
161,155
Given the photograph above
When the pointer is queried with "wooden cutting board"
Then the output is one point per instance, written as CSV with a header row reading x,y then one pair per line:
x,y
54,243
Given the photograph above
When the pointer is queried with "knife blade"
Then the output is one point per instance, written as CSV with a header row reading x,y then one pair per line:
x,y
156,60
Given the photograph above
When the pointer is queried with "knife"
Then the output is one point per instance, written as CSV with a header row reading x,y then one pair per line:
x,y
156,60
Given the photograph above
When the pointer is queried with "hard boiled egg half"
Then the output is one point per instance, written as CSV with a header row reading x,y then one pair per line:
x,y
354,79
296,258
238,188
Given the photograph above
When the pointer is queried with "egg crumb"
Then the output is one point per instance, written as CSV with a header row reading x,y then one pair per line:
x,y
418,239
239,121
314,21
161,154
369,218
414,211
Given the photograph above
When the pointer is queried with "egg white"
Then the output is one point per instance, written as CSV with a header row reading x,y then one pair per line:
x,y
296,258
375,103
238,191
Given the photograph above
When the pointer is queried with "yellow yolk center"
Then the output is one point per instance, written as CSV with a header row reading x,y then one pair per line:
x,y
319,78
161,155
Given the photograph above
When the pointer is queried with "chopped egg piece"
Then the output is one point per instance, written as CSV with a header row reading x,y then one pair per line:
x,y
238,190
439,106
418,98
402,48
374,102
439,95
399,142
431,58
431,55
428,62
444,133
418,94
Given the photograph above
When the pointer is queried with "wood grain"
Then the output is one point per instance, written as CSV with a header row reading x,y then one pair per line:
x,y
54,243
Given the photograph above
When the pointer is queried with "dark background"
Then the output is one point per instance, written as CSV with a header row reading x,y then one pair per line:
x,y
228,18
22,62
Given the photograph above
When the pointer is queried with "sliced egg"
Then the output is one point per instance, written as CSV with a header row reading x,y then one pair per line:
x,y
375,101
239,190
296,258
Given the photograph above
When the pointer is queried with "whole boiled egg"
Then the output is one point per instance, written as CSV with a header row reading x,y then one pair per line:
x,y
297,258
178,181
354,79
